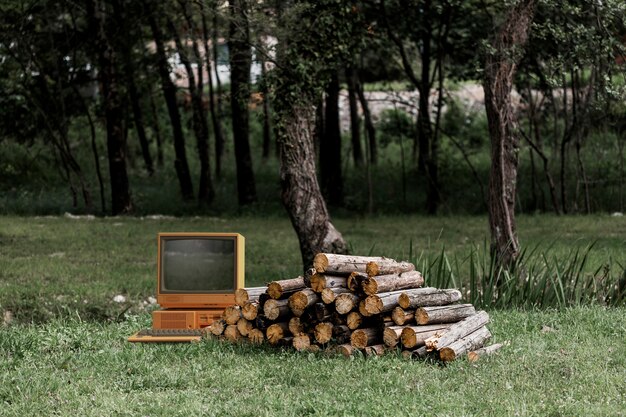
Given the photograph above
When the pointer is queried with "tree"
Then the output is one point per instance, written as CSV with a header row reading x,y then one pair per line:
x,y
240,62
330,146
169,93
500,66
312,36
106,38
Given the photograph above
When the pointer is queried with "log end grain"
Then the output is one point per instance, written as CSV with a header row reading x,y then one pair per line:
x,y
323,332
232,314
320,262
250,310
369,286
318,282
301,342
232,333
346,350
354,320
408,338
241,297
217,327
275,333
256,336
275,290
244,327
390,337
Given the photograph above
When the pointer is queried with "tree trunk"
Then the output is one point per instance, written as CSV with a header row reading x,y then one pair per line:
x,y
169,93
499,72
301,194
114,113
240,62
219,141
200,127
355,121
330,146
369,124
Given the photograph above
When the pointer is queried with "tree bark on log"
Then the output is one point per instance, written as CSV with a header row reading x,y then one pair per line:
x,y
232,314
371,265
277,288
461,346
250,310
401,316
321,281
329,295
346,302
457,331
276,332
300,300
419,353
443,314
342,334
475,355
392,282
323,332
375,350
361,338
413,336
416,298
275,309
244,295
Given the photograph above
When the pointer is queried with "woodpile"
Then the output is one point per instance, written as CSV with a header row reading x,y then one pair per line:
x,y
348,304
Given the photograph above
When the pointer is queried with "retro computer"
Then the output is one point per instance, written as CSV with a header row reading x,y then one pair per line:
x,y
197,276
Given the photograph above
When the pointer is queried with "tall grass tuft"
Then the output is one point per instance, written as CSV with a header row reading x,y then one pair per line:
x,y
539,280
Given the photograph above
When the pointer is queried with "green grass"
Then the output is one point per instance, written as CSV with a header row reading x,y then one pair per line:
x,y
71,367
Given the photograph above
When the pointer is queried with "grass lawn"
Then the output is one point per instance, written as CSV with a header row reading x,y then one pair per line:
x,y
65,352
578,367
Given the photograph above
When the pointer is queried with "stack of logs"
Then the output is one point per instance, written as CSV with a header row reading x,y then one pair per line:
x,y
350,303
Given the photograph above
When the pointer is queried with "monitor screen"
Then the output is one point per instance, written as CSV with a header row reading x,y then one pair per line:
x,y
198,265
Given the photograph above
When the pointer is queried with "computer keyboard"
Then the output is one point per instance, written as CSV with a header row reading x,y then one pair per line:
x,y
168,335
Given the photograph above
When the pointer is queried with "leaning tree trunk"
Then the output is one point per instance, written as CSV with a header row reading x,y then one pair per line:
x,y
301,194
330,146
500,69
240,62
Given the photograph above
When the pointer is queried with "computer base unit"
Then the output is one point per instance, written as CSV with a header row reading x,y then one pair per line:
x,y
184,319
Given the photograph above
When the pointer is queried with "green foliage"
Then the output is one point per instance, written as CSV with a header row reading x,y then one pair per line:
x,y
395,126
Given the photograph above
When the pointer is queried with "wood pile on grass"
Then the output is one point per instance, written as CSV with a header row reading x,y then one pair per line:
x,y
358,303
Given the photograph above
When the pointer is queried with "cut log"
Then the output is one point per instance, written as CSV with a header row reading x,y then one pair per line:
x,y
232,314
301,342
261,322
277,288
461,346
329,295
457,331
346,302
392,282
354,320
245,295
360,338
302,299
276,332
244,327
419,353
346,349
295,326
323,332
380,303
218,326
250,310
275,309
425,297
231,333
321,281
341,334
443,314
286,341
375,350
262,299
475,355
415,336
355,281
401,316
391,335
256,336
386,266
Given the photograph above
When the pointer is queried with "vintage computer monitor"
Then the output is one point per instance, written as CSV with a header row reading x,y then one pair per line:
x,y
197,276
